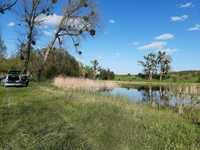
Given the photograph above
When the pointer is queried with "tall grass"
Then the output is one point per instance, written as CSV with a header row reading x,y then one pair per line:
x,y
46,117
84,84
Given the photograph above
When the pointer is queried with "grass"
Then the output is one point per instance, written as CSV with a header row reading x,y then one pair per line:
x,y
45,117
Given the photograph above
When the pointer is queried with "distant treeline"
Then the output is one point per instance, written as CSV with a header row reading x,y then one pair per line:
x,y
182,76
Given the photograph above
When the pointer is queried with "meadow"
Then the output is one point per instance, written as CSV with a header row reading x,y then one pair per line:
x,y
44,116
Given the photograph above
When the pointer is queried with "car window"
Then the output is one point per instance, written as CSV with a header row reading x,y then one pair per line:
x,y
13,78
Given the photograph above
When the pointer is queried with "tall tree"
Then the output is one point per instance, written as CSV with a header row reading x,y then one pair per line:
x,y
163,61
150,65
79,17
30,13
6,5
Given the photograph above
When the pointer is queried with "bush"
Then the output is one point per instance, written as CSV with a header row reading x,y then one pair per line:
x,y
59,62
106,74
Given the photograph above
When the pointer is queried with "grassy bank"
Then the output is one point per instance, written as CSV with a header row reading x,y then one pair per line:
x,y
154,83
45,117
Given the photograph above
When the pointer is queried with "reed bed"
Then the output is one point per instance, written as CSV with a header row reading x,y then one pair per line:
x,y
83,84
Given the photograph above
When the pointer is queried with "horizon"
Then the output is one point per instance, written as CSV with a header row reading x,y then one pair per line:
x,y
125,36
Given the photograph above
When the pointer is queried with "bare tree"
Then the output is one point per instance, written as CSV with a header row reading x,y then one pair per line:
x,y
79,17
6,5
30,12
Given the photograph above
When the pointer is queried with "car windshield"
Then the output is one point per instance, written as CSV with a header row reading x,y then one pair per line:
x,y
13,78
14,72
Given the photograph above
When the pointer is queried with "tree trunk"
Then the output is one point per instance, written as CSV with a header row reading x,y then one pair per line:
x,y
50,47
39,74
46,54
150,76
54,39
28,50
161,76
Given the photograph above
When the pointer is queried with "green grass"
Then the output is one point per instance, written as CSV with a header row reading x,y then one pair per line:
x,y
44,117
173,77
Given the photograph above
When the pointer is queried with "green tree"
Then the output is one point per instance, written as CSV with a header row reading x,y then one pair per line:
x,y
89,72
31,16
79,17
164,62
59,62
150,65
10,63
106,74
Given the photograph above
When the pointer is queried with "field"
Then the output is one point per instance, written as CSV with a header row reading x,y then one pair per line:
x,y
46,117
173,77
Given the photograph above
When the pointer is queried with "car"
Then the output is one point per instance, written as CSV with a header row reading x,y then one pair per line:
x,y
16,79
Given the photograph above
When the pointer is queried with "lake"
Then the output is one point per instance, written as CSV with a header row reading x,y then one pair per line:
x,y
170,95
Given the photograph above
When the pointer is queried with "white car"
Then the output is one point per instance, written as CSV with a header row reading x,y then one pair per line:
x,y
14,78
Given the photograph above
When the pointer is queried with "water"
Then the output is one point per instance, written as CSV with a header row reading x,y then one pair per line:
x,y
161,95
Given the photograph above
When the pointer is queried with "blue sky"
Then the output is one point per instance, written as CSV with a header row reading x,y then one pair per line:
x,y
129,30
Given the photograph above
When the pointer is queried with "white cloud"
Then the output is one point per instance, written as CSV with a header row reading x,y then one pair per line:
x,y
156,45
112,21
160,44
186,5
179,18
51,19
74,23
11,24
196,27
164,37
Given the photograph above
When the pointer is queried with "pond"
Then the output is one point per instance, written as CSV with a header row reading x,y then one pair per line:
x,y
169,95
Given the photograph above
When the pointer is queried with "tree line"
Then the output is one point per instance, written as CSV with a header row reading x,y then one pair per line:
x,y
59,62
156,63
78,18
95,71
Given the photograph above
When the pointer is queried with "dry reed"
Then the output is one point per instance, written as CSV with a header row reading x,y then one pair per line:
x,y
83,84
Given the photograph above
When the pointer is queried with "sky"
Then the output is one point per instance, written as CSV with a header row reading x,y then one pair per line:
x,y
128,30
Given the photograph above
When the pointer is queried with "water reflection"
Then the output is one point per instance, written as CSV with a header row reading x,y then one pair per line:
x,y
161,96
